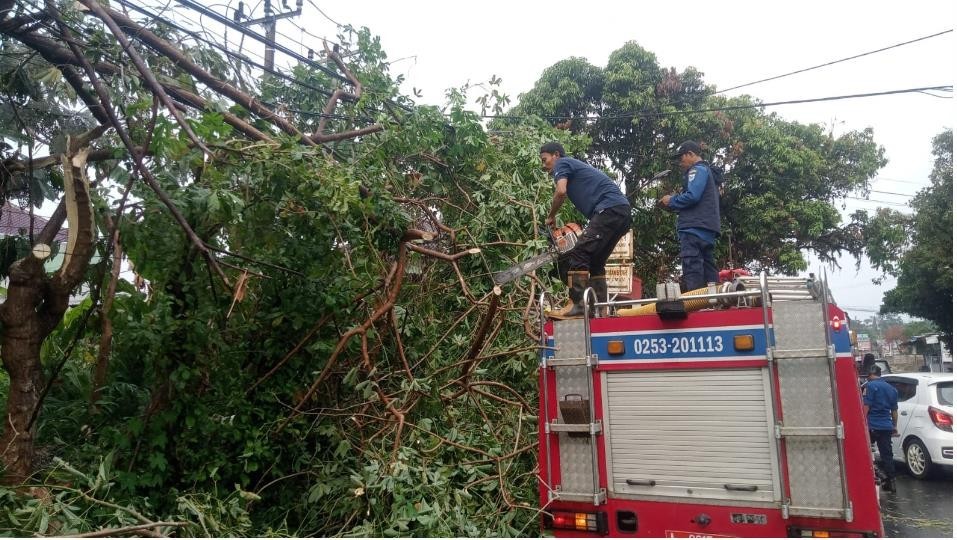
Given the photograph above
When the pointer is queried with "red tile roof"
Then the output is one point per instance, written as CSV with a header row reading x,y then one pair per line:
x,y
15,221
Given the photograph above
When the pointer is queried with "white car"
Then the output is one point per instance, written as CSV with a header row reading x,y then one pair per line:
x,y
925,408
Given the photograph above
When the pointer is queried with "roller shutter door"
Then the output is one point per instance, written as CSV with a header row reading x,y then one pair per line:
x,y
691,434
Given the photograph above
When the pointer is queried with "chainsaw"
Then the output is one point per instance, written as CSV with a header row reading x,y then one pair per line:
x,y
561,241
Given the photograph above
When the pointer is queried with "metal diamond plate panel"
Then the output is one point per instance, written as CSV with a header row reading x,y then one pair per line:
x,y
798,325
572,380
574,453
569,339
806,392
814,466
814,472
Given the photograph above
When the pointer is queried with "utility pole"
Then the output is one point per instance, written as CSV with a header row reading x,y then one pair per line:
x,y
269,23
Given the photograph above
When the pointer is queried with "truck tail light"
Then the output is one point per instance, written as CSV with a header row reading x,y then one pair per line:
x,y
577,521
836,324
797,532
942,419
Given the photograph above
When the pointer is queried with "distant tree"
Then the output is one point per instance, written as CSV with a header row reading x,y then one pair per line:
x,y
918,250
918,328
893,335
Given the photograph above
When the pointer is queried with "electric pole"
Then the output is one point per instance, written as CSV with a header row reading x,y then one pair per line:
x,y
269,23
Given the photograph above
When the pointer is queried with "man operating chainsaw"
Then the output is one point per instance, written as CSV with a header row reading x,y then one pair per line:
x,y
609,217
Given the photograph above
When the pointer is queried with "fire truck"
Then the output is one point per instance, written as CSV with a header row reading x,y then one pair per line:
x,y
732,410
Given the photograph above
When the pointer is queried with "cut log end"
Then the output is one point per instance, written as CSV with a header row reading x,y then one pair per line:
x,y
41,251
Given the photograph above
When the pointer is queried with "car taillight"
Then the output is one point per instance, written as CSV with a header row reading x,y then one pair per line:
x,y
942,419
577,521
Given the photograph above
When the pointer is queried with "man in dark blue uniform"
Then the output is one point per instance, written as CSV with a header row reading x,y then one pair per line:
x,y
609,218
699,216
880,407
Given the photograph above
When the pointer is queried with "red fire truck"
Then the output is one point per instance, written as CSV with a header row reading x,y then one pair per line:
x,y
727,411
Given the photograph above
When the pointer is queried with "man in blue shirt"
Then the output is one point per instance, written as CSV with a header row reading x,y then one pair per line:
x,y
699,217
609,218
880,407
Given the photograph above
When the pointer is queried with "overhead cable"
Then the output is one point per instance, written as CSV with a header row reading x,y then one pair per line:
x,y
240,57
835,61
942,88
261,38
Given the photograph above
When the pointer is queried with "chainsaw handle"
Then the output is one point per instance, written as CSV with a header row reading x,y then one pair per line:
x,y
543,231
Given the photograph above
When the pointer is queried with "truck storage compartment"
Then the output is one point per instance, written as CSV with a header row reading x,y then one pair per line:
x,y
699,434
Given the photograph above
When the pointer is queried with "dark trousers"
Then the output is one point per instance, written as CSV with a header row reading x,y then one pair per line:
x,y
599,238
697,262
883,439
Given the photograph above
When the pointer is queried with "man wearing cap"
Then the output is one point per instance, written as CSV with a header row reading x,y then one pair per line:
x,y
699,217
609,218
880,408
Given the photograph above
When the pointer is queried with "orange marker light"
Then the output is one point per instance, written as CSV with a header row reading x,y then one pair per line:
x,y
616,347
744,342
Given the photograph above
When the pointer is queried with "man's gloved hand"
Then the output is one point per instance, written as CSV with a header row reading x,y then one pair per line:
x,y
663,202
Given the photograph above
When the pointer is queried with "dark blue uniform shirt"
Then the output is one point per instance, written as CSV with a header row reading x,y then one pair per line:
x,y
698,205
881,399
589,189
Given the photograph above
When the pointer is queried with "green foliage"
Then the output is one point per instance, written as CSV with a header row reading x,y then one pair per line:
x,y
918,249
197,413
919,328
75,502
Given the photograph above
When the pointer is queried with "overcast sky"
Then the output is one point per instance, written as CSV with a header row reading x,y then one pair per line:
x,y
442,44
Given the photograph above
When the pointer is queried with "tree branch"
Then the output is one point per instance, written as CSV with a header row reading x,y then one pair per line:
x,y
145,71
124,136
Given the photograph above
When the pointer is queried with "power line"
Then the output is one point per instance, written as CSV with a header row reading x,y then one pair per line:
x,y
943,88
277,46
248,61
936,96
313,4
884,179
225,49
837,61
877,201
861,309
892,193
259,37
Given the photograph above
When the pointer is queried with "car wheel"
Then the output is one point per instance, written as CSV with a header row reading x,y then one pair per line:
x,y
917,459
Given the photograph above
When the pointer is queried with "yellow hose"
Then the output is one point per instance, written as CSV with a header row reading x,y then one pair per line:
x,y
690,305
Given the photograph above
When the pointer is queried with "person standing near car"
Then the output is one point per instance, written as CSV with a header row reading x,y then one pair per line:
x,y
609,217
880,408
699,216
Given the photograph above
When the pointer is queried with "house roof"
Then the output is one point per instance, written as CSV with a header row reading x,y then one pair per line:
x,y
15,221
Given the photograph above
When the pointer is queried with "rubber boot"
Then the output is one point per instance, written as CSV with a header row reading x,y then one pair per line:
x,y
577,283
600,285
889,485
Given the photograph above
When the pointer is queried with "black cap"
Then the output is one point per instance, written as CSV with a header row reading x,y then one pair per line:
x,y
874,370
685,147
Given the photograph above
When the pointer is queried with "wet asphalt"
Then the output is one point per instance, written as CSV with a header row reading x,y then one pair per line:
x,y
920,508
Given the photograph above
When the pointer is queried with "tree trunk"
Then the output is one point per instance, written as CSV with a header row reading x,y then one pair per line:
x,y
20,349
35,305
26,382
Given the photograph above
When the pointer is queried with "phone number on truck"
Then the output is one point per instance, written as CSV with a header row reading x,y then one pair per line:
x,y
678,345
